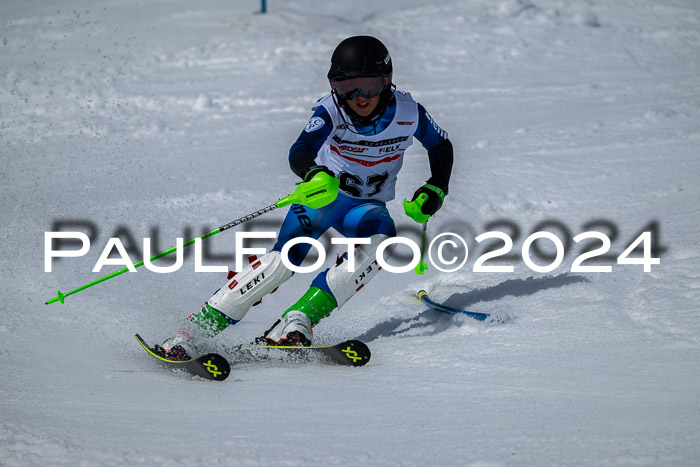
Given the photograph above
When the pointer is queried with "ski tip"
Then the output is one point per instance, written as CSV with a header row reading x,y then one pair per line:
x,y
146,346
151,351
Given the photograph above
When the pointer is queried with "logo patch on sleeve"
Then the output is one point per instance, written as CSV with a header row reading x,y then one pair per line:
x,y
439,130
314,124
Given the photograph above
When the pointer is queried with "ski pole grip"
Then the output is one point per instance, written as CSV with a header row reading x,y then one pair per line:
x,y
321,190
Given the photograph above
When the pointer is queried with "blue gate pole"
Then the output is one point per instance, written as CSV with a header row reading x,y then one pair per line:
x,y
263,6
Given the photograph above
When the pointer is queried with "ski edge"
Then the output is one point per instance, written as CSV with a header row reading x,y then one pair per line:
x,y
150,351
297,347
351,352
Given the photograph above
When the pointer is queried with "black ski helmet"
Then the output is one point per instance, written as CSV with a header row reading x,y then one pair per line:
x,y
358,56
362,56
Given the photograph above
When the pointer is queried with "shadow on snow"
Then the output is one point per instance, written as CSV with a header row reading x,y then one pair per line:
x,y
435,322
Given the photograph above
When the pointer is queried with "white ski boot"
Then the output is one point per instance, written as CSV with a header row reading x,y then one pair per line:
x,y
178,348
294,328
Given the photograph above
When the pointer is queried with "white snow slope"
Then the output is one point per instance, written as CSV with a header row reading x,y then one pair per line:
x,y
174,116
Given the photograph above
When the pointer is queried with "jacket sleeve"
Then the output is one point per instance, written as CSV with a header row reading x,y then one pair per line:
x,y
440,152
302,154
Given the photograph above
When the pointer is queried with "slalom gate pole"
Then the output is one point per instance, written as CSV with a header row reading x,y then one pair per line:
x,y
425,298
315,193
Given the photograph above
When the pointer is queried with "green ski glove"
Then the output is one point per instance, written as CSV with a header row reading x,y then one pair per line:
x,y
427,200
315,170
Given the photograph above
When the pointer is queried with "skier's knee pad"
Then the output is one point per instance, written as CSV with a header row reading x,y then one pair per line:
x,y
250,285
343,283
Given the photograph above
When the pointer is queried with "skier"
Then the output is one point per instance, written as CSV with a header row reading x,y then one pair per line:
x,y
358,134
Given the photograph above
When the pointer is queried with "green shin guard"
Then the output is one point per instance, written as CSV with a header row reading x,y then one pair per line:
x,y
209,320
316,304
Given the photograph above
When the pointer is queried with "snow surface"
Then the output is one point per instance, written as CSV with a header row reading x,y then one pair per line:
x,y
176,115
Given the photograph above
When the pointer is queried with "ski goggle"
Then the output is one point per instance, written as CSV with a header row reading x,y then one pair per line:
x,y
365,86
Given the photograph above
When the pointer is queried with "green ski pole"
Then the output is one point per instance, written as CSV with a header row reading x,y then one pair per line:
x,y
318,192
421,267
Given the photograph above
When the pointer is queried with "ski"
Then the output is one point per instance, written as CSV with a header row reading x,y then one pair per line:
x,y
350,352
425,298
210,366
